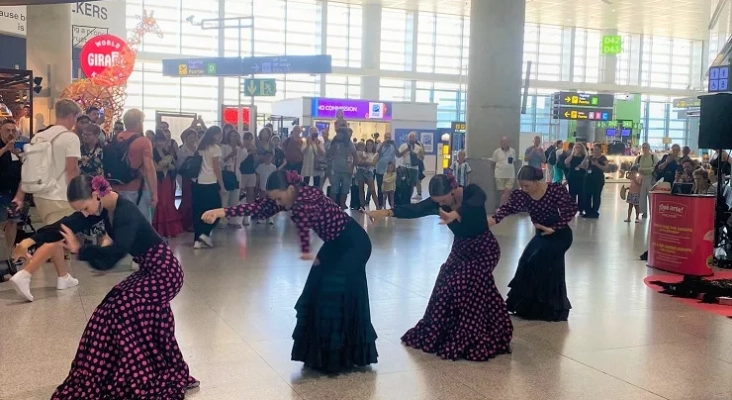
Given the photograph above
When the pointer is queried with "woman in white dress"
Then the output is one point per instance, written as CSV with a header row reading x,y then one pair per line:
x,y
313,163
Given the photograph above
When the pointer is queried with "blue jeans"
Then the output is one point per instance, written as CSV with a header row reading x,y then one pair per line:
x,y
144,204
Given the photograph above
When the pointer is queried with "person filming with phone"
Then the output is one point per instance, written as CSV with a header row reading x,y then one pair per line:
x,y
10,167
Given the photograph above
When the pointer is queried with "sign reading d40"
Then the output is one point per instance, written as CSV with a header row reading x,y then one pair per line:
x,y
612,45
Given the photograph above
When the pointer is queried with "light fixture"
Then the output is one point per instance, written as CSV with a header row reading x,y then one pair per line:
x,y
37,84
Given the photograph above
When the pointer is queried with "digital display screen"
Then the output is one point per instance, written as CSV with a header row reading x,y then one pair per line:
x,y
625,133
611,132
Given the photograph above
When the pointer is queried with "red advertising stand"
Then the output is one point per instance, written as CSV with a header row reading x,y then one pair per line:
x,y
678,225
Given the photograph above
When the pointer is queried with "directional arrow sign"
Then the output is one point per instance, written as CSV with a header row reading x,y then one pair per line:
x,y
256,87
586,99
584,113
317,64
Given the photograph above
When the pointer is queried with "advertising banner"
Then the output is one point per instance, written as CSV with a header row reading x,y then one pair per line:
x,y
352,109
88,19
678,226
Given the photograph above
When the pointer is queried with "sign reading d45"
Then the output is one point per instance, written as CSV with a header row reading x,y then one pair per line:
x,y
612,45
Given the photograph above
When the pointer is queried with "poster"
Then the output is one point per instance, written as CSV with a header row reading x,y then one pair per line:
x,y
428,141
678,225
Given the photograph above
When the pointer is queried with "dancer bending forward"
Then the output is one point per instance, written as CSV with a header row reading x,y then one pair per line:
x,y
538,290
128,349
333,331
466,316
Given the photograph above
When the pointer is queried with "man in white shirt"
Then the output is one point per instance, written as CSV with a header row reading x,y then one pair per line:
x,y
504,170
52,205
411,152
24,122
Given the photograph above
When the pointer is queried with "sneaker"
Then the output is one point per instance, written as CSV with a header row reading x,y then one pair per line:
x,y
270,221
206,240
417,197
21,283
637,221
260,222
197,245
245,221
66,282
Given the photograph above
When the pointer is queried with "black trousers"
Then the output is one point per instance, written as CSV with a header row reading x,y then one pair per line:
x,y
379,191
593,194
577,191
205,197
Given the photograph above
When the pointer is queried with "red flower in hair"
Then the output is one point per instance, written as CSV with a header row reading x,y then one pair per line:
x,y
100,186
293,178
452,180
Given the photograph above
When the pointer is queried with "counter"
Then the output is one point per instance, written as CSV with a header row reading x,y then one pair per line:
x,y
678,224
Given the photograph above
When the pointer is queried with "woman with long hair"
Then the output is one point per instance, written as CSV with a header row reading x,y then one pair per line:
x,y
209,186
365,173
313,158
333,331
128,349
538,290
466,316
166,218
279,155
248,170
576,175
231,152
188,149
264,145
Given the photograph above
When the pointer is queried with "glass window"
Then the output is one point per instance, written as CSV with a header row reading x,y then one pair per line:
x,y
395,43
344,27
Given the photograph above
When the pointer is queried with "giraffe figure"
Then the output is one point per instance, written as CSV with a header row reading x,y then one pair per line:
x,y
108,89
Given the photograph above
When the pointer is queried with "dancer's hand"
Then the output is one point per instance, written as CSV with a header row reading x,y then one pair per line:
x,y
448,217
71,243
307,256
544,230
377,215
106,241
491,222
20,252
211,216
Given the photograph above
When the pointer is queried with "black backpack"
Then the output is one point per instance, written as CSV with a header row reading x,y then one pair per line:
x,y
191,167
116,163
552,158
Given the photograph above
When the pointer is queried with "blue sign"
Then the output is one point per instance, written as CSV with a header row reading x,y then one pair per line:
x,y
207,66
718,79
236,66
428,138
319,64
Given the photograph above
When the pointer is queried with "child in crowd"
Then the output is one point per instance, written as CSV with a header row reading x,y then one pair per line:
x,y
263,171
389,184
633,195
461,169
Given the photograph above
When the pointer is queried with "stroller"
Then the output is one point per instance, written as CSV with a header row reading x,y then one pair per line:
x,y
25,230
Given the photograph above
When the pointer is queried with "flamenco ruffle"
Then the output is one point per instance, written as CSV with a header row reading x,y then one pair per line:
x,y
86,385
461,344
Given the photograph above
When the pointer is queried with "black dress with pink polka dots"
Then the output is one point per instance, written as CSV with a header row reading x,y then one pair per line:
x,y
128,349
333,331
538,290
466,316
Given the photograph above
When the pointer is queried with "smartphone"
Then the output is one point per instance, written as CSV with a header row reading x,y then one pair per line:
x,y
19,145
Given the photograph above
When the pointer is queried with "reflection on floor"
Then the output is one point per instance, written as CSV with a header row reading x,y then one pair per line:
x,y
235,317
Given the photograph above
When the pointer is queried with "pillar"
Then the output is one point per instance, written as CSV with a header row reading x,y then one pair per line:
x,y
48,43
371,50
494,85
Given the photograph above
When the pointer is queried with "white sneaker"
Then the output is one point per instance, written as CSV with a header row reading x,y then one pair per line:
x,y
260,221
134,266
206,240
270,221
245,221
66,282
21,283
197,245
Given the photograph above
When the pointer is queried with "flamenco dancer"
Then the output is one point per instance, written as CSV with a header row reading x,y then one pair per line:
x,y
333,331
128,349
466,316
538,290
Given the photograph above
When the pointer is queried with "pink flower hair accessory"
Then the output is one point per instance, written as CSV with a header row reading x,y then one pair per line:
x,y
100,186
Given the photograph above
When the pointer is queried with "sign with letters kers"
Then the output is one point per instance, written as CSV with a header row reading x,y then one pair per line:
x,y
102,52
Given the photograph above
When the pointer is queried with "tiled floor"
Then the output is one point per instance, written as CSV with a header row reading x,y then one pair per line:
x,y
235,316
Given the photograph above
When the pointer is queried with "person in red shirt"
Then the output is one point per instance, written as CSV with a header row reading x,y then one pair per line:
x,y
142,191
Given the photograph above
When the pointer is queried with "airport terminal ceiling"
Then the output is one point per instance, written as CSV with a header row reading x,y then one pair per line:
x,y
687,19
34,2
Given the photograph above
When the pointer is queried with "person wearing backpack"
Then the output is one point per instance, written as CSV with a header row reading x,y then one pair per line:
x,y
551,159
51,162
129,165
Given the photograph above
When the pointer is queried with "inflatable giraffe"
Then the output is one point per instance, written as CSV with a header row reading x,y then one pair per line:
x,y
108,89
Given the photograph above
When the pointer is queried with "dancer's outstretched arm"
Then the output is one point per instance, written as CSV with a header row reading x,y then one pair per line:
x,y
424,208
259,209
517,203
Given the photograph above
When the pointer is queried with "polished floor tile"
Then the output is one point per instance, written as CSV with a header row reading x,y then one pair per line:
x,y
234,320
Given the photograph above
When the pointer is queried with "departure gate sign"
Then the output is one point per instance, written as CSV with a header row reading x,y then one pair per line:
x,y
612,45
585,99
585,114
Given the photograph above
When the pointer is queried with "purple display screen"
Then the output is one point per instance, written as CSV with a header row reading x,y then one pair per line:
x,y
352,109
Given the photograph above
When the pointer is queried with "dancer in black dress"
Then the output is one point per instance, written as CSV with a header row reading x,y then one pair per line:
x,y
538,290
128,349
333,331
466,316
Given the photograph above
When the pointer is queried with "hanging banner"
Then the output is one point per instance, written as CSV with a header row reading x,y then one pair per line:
x,y
88,19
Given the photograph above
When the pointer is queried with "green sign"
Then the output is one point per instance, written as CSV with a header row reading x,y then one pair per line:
x,y
211,69
612,45
260,87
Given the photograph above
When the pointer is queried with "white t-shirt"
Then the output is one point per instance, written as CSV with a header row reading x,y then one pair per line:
x,y
264,171
232,164
504,169
66,145
407,157
207,175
